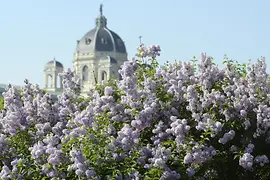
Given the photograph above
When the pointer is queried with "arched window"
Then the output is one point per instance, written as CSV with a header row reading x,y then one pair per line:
x,y
58,80
104,76
85,73
49,81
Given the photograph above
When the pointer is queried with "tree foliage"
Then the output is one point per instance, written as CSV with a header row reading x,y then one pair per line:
x,y
1,103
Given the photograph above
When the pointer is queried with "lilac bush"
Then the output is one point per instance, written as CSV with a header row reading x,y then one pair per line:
x,y
185,120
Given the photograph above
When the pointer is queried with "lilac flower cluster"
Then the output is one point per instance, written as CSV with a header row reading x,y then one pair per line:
x,y
179,129
127,138
199,155
227,137
246,161
149,51
80,165
261,160
168,123
160,156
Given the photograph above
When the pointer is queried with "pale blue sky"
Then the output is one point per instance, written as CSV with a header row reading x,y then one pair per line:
x,y
34,31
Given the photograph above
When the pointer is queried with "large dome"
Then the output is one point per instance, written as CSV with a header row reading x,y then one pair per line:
x,y
100,39
54,63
